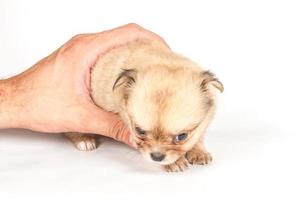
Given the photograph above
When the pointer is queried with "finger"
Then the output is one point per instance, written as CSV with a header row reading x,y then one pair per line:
x,y
107,124
106,40
132,29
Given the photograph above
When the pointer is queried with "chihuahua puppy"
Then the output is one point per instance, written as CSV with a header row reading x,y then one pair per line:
x,y
166,100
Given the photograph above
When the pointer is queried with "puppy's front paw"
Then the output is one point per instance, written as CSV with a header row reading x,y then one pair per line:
x,y
86,144
178,166
198,157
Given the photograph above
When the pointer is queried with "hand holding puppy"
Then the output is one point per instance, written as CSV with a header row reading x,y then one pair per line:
x,y
54,94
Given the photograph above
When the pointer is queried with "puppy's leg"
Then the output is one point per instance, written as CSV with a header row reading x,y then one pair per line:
x,y
198,155
178,166
83,142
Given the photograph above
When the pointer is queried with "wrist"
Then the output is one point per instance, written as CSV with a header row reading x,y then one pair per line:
x,y
9,108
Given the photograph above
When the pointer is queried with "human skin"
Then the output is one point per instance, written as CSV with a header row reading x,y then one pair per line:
x,y
54,95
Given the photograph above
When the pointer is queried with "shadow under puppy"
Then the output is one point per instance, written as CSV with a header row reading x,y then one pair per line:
x,y
166,100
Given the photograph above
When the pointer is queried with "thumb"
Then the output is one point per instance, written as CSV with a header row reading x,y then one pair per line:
x,y
119,131
108,124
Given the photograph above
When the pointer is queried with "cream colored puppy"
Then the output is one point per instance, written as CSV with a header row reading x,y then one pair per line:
x,y
166,100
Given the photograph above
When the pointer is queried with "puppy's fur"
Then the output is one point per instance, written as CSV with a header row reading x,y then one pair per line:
x,y
159,95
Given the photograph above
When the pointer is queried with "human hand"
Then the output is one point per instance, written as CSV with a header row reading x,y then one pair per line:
x,y
54,94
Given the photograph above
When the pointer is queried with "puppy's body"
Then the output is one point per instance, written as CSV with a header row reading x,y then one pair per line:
x,y
166,100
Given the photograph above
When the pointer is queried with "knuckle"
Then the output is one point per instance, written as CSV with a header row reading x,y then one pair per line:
x,y
74,44
77,37
134,26
117,130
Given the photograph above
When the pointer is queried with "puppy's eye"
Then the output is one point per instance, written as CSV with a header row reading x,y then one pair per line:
x,y
180,137
140,131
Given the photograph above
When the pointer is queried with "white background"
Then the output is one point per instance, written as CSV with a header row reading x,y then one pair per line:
x,y
256,48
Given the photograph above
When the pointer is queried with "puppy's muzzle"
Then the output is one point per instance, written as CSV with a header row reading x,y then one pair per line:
x,y
157,156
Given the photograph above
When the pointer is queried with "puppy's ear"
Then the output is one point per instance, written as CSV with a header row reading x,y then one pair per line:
x,y
124,82
209,79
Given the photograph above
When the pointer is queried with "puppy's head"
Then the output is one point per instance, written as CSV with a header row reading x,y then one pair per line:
x,y
166,109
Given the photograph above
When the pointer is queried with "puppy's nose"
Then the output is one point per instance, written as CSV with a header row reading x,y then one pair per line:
x,y
157,156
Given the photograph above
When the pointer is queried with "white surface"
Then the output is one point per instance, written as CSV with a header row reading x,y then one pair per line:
x,y
255,47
